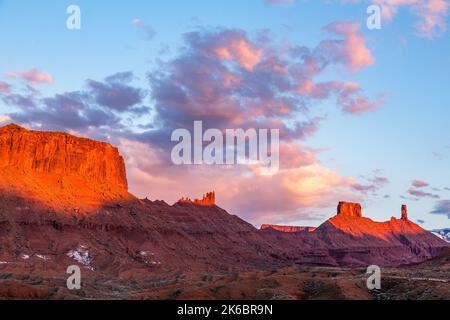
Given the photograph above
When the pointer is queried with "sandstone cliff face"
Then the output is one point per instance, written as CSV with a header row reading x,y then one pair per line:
x,y
59,164
61,153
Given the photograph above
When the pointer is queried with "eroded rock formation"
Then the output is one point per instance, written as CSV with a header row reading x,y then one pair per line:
x,y
59,167
349,209
208,199
404,212
61,153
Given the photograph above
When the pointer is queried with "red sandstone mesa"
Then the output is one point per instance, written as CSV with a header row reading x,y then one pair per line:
x,y
60,168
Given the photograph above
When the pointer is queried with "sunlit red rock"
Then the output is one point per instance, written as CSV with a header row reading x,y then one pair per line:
x,y
349,209
209,199
404,212
59,168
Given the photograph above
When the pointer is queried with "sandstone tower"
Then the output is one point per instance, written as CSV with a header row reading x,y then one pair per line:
x,y
349,209
404,212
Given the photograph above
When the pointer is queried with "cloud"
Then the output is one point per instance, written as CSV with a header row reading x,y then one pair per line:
x,y
98,105
380,181
258,198
349,96
229,79
4,88
147,30
432,13
422,194
241,51
10,75
442,207
34,76
364,188
115,92
19,100
351,49
420,184
66,111
4,118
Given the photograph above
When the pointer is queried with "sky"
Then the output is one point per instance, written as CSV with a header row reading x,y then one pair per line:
x,y
363,114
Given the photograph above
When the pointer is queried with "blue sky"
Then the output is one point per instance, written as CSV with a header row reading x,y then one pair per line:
x,y
405,138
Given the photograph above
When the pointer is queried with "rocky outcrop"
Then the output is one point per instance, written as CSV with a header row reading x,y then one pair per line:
x,y
404,212
61,153
349,209
287,229
208,199
59,167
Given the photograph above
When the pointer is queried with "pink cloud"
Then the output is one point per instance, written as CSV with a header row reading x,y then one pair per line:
x,y
4,87
422,194
4,118
10,74
286,196
364,188
420,184
235,46
380,181
352,50
35,76
432,13
349,95
292,155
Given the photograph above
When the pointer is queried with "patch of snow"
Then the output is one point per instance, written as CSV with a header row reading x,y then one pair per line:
x,y
81,255
41,256
146,253
25,256
444,234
